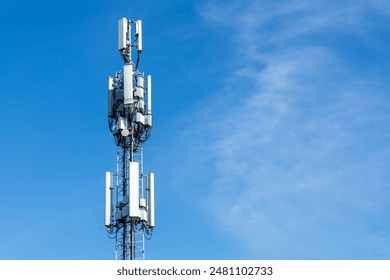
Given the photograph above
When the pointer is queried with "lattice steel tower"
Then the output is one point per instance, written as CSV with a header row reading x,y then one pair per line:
x,y
129,205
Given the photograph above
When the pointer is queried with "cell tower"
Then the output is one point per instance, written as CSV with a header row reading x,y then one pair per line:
x,y
129,203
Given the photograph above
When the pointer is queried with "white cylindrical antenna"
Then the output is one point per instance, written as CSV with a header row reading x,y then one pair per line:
x,y
149,94
122,34
138,33
128,84
134,189
108,204
150,192
111,90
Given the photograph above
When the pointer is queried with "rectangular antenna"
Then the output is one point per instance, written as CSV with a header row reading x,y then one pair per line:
x,y
134,189
111,90
122,34
108,204
150,192
149,94
128,84
140,87
139,118
138,33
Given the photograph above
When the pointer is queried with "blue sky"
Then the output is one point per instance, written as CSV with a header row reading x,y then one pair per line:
x,y
271,127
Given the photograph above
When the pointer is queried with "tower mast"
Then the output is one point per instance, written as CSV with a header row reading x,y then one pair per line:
x,y
129,204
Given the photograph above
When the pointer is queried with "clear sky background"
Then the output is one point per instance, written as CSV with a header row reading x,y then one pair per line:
x,y
271,135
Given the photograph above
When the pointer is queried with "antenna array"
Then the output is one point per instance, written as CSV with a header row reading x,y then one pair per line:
x,y
129,201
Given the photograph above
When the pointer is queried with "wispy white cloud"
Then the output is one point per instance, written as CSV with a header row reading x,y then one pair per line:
x,y
300,156
285,19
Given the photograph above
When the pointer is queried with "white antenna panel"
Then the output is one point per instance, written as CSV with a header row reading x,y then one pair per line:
x,y
110,83
142,202
141,105
139,90
140,82
134,189
144,215
148,120
121,124
122,34
149,94
128,84
150,191
138,33
139,118
111,90
108,204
